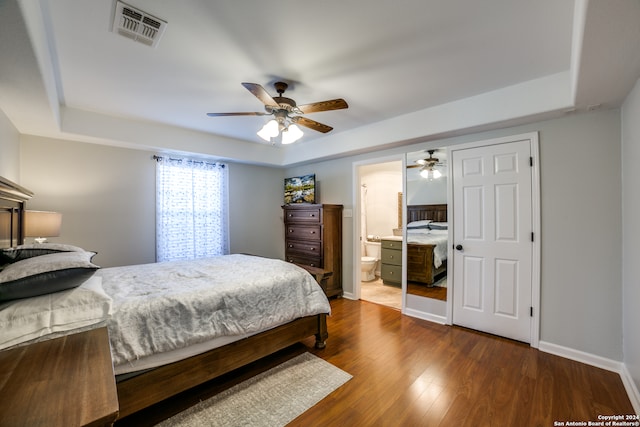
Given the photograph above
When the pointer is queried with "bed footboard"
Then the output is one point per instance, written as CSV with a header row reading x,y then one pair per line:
x,y
151,387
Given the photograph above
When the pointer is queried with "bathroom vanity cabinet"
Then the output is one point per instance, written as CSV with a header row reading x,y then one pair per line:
x,y
313,237
391,262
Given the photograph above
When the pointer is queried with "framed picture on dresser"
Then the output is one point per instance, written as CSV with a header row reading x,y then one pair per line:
x,y
300,189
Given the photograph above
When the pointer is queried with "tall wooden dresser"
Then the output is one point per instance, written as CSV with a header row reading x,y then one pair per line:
x,y
313,237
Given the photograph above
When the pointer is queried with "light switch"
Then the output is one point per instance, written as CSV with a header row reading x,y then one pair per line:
x,y
347,213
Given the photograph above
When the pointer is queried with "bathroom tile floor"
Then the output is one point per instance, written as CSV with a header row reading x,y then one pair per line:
x,y
375,291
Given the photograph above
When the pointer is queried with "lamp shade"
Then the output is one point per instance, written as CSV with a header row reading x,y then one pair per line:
x,y
42,223
268,131
291,134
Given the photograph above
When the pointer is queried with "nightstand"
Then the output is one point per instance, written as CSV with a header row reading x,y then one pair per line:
x,y
66,381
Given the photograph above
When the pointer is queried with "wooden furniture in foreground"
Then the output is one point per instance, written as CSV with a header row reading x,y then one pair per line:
x,y
153,386
145,389
321,276
66,381
313,237
12,201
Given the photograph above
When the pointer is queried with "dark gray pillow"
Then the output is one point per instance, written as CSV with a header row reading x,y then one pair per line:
x,y
45,274
22,252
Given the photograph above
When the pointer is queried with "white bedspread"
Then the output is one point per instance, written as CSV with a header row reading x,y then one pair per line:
x,y
167,306
435,237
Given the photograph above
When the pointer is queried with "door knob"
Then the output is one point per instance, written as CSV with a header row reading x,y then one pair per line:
x,y
459,247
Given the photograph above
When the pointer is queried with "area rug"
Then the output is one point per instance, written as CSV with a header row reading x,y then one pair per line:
x,y
273,398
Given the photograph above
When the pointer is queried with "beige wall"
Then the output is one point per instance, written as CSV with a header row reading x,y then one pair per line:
x,y
107,198
9,150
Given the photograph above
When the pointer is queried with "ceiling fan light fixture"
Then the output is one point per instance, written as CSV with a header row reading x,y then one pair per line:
x,y
269,130
428,172
291,134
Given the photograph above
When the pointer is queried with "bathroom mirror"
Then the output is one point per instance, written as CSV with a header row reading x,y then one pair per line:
x,y
427,223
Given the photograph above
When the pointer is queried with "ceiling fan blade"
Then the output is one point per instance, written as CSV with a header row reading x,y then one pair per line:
x,y
259,92
332,104
414,166
236,114
312,124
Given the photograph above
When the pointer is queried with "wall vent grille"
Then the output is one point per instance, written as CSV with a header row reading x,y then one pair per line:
x,y
137,25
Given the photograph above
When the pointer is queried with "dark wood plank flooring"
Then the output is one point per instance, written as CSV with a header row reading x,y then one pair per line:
x,y
407,371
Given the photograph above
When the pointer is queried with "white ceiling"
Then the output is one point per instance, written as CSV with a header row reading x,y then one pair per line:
x,y
409,69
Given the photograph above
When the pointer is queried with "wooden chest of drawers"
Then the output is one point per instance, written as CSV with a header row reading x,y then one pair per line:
x,y
391,262
313,237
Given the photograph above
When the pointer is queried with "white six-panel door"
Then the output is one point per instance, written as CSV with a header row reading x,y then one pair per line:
x,y
492,240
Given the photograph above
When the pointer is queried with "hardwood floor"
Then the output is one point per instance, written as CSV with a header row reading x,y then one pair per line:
x,y
408,371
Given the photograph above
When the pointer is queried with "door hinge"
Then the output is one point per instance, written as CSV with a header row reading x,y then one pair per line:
x,y
531,311
532,236
531,161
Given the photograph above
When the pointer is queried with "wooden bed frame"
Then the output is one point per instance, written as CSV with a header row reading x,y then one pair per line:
x,y
153,386
420,266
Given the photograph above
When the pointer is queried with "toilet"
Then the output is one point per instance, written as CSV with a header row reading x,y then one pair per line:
x,y
369,262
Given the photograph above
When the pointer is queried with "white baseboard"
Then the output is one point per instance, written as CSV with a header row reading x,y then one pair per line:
x,y
348,295
425,316
598,362
632,390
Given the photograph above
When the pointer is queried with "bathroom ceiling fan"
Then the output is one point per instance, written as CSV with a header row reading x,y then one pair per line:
x,y
428,166
428,162
286,112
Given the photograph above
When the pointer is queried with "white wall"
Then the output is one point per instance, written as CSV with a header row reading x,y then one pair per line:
x,y
384,182
631,233
9,150
580,215
105,194
107,198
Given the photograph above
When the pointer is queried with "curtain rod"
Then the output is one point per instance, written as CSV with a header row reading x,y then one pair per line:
x,y
159,158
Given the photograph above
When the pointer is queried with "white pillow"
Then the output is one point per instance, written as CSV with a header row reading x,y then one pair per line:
x,y
31,318
419,224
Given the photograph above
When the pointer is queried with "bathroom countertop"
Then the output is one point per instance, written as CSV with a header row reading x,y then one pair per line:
x,y
397,238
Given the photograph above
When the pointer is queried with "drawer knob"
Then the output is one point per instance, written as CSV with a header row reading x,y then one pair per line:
x,y
312,248
391,273
290,245
390,256
312,215
290,231
313,232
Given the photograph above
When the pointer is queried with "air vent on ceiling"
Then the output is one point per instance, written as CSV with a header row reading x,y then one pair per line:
x,y
137,25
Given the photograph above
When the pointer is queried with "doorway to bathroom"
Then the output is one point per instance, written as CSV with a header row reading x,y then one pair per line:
x,y
379,185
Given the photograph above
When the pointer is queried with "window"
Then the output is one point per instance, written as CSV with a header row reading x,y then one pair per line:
x,y
191,209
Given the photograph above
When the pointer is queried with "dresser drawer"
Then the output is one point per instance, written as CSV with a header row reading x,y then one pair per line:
x,y
303,232
304,260
311,215
307,247
391,256
391,244
391,273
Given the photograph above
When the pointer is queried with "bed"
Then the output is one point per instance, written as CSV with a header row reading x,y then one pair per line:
x,y
427,244
186,360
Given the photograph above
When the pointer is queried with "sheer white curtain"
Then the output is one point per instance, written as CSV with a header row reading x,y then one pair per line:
x,y
191,209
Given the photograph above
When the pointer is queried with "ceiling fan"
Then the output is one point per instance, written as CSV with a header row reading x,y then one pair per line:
x,y
427,166
286,113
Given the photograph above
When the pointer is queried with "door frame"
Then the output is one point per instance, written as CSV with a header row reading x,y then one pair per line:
x,y
533,139
355,175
